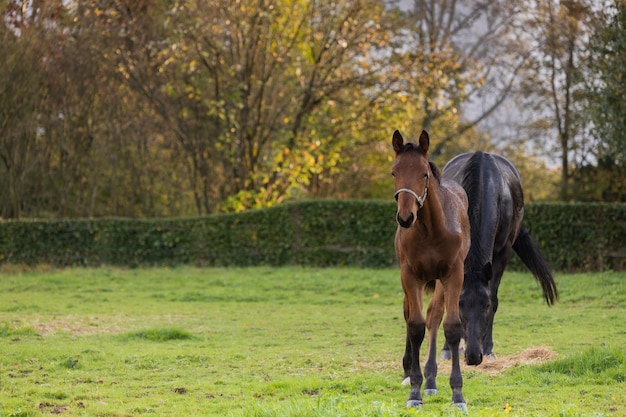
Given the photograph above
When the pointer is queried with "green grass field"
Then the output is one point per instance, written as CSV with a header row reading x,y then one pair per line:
x,y
288,342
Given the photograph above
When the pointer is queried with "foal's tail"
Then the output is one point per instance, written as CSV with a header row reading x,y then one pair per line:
x,y
529,253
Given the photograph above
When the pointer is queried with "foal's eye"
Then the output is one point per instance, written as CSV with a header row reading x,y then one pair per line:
x,y
393,174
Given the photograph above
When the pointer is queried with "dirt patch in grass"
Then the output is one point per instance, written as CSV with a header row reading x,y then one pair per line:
x,y
531,356
77,325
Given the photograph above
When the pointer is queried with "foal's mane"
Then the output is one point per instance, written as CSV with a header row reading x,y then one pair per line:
x,y
435,171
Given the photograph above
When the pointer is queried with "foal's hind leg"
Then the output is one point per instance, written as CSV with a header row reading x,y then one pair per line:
x,y
433,320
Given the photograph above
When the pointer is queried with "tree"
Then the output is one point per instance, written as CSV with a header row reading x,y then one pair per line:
x,y
22,96
183,107
607,108
609,94
553,82
455,65
76,141
123,164
248,88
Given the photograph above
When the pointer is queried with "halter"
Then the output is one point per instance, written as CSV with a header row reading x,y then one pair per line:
x,y
420,199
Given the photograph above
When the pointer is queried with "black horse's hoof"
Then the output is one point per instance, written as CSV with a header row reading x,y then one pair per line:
x,y
462,407
445,355
414,403
431,391
406,381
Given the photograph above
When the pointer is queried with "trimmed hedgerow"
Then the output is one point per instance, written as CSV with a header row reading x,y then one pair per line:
x,y
580,236
572,237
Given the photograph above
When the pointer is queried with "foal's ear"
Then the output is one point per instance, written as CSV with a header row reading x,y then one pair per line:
x,y
424,141
397,141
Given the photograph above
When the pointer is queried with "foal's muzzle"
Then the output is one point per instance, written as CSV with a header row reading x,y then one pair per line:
x,y
406,223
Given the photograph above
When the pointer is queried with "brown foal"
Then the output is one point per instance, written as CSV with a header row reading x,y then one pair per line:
x,y
432,241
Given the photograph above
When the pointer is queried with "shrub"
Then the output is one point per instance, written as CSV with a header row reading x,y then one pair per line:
x,y
572,237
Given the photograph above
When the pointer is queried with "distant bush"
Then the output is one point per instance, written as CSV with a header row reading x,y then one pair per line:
x,y
572,237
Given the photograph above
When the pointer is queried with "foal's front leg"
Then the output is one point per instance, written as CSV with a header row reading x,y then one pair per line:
x,y
415,330
434,315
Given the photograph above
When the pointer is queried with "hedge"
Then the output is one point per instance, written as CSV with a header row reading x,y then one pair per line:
x,y
578,237
573,237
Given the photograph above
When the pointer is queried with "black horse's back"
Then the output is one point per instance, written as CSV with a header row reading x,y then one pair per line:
x,y
530,255
496,210
496,203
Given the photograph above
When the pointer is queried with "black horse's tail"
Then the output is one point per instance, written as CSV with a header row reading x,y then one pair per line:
x,y
529,253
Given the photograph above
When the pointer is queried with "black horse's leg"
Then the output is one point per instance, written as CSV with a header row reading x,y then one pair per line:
x,y
499,263
445,352
434,315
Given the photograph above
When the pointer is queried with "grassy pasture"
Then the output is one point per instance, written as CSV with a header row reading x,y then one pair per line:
x,y
288,342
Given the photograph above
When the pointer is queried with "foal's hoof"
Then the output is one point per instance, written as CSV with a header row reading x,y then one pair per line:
x,y
430,391
491,356
445,355
406,381
462,407
414,404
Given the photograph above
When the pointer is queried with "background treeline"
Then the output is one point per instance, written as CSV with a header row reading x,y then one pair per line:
x,y
167,108
573,237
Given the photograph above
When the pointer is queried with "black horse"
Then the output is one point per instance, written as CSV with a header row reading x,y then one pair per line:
x,y
496,210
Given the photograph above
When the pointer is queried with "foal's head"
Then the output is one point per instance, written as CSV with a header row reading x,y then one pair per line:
x,y
411,174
